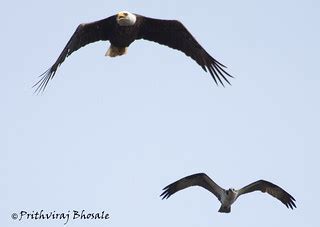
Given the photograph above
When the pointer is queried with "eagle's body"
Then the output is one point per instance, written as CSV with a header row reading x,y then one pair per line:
x,y
121,36
228,197
123,29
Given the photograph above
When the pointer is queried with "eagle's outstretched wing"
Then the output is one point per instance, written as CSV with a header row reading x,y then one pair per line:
x,y
174,34
85,33
271,189
198,179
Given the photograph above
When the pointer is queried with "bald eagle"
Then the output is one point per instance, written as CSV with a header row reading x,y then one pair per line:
x,y
228,197
124,28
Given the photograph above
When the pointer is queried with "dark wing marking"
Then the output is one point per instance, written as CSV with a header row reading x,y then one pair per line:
x,y
84,34
199,179
174,34
271,189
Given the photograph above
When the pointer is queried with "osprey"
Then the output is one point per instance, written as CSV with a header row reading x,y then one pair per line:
x,y
124,28
228,197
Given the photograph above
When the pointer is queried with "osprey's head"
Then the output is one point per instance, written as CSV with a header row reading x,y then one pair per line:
x,y
230,191
125,18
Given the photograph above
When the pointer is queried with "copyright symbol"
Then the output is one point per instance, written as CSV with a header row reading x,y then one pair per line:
x,y
14,216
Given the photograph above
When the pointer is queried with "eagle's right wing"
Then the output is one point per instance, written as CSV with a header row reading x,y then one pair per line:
x,y
85,33
199,179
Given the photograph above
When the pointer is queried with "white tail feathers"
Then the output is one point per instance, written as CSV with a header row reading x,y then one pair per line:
x,y
114,51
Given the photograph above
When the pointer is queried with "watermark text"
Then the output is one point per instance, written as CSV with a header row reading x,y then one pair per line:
x,y
64,216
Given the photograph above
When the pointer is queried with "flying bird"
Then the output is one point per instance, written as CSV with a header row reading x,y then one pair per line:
x,y
228,197
124,28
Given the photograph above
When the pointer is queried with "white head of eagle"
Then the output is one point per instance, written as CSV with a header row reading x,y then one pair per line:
x,y
125,18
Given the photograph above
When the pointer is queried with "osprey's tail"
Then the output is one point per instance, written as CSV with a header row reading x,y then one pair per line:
x,y
114,51
225,209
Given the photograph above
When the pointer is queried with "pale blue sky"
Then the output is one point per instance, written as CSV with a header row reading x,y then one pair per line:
x,y
109,134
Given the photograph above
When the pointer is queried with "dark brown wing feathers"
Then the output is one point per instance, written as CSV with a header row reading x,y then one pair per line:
x,y
198,179
83,35
271,189
174,34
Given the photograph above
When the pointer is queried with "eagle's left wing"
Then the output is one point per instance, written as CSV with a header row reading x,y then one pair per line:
x,y
174,34
271,189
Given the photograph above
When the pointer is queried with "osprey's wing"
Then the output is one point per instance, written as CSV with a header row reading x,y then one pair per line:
x,y
85,33
174,34
199,179
271,189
